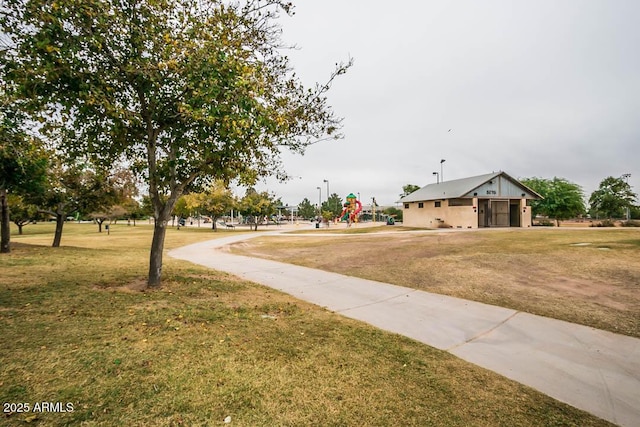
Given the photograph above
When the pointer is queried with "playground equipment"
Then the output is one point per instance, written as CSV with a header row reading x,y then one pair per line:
x,y
351,209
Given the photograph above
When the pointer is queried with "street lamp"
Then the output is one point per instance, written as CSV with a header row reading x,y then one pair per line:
x,y
437,177
441,173
327,181
626,177
319,200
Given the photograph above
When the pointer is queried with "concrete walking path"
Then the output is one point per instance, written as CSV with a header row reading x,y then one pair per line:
x,y
590,369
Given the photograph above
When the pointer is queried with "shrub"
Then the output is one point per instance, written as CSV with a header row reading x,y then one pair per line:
x,y
630,223
604,223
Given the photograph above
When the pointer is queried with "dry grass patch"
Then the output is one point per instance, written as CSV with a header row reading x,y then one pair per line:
x,y
207,345
547,272
365,228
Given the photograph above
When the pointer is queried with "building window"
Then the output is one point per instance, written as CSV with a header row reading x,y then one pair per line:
x,y
437,204
420,205
406,205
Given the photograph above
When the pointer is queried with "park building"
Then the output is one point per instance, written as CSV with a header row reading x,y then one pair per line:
x,y
491,200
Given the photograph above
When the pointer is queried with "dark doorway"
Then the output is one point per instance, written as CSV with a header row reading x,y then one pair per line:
x,y
514,213
484,215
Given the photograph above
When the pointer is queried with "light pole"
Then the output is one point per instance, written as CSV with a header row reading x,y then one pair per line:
x,y
319,201
441,173
626,177
437,174
327,181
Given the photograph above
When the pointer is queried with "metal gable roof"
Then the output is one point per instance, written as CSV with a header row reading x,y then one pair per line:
x,y
458,188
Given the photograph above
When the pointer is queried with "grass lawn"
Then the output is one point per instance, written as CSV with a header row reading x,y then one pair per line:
x,y
586,276
207,345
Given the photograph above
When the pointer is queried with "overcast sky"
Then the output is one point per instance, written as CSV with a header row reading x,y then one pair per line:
x,y
534,88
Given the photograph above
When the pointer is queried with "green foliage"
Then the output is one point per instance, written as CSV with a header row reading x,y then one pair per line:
x,y
561,199
306,210
256,206
121,187
394,213
186,91
23,164
146,207
333,205
182,208
214,202
23,160
612,198
21,213
604,223
217,201
74,188
327,216
408,189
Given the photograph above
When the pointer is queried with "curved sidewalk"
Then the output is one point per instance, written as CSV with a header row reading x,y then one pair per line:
x,y
590,369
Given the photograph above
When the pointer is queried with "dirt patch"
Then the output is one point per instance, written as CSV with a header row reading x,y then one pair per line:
x,y
598,293
138,285
135,286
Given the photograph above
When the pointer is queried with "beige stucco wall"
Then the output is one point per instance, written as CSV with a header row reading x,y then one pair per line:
x,y
525,212
430,216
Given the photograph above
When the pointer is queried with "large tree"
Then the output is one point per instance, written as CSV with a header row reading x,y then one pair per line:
x,y
22,213
257,207
306,210
216,201
612,198
562,199
185,90
74,188
22,164
120,190
333,204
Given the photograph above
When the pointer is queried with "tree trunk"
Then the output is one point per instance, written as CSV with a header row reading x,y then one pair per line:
x,y
20,228
155,259
59,224
5,233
